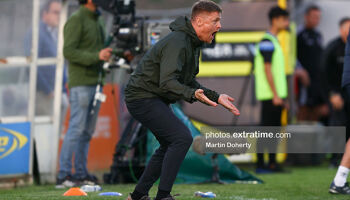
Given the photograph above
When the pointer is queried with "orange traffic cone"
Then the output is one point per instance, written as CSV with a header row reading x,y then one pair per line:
x,y
75,191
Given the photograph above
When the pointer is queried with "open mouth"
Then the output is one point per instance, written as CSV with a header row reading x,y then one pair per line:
x,y
213,34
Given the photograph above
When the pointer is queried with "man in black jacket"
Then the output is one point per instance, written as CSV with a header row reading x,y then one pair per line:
x,y
334,62
313,106
165,75
340,184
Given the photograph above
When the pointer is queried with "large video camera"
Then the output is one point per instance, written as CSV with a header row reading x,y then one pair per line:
x,y
126,32
129,32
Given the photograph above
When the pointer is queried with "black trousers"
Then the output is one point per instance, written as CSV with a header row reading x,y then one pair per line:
x,y
270,116
346,91
346,95
173,136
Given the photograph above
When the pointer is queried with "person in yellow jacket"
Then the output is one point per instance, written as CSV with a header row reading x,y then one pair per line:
x,y
270,83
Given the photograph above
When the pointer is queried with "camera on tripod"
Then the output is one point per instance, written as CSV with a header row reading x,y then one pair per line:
x,y
130,32
126,33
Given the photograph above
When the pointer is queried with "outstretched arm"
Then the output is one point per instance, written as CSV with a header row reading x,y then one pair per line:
x,y
224,100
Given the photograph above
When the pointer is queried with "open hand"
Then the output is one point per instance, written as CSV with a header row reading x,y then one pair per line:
x,y
226,101
200,96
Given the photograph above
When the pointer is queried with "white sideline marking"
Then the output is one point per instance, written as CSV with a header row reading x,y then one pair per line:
x,y
244,198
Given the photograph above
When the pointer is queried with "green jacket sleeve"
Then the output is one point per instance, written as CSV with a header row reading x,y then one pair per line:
x,y
171,63
73,31
211,94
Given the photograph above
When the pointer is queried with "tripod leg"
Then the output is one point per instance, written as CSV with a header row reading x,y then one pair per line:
x,y
216,176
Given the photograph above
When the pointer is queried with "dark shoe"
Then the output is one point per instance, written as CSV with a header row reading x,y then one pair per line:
x,y
276,168
88,180
263,170
333,189
142,198
66,182
170,197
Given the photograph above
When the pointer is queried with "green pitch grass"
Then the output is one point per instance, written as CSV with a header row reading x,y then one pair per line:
x,y
301,183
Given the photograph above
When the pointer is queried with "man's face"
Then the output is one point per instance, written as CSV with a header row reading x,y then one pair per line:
x,y
281,23
344,31
208,24
52,16
312,19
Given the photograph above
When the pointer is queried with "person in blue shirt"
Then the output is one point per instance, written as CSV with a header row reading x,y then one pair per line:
x,y
47,47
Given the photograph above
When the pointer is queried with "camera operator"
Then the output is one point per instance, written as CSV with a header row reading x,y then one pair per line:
x,y
85,52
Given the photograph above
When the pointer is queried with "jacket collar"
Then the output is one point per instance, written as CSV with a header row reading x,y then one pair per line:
x,y
196,41
89,13
184,24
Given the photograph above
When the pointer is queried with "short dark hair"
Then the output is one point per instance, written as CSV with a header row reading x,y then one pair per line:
x,y
47,5
204,6
276,12
82,2
343,20
312,8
